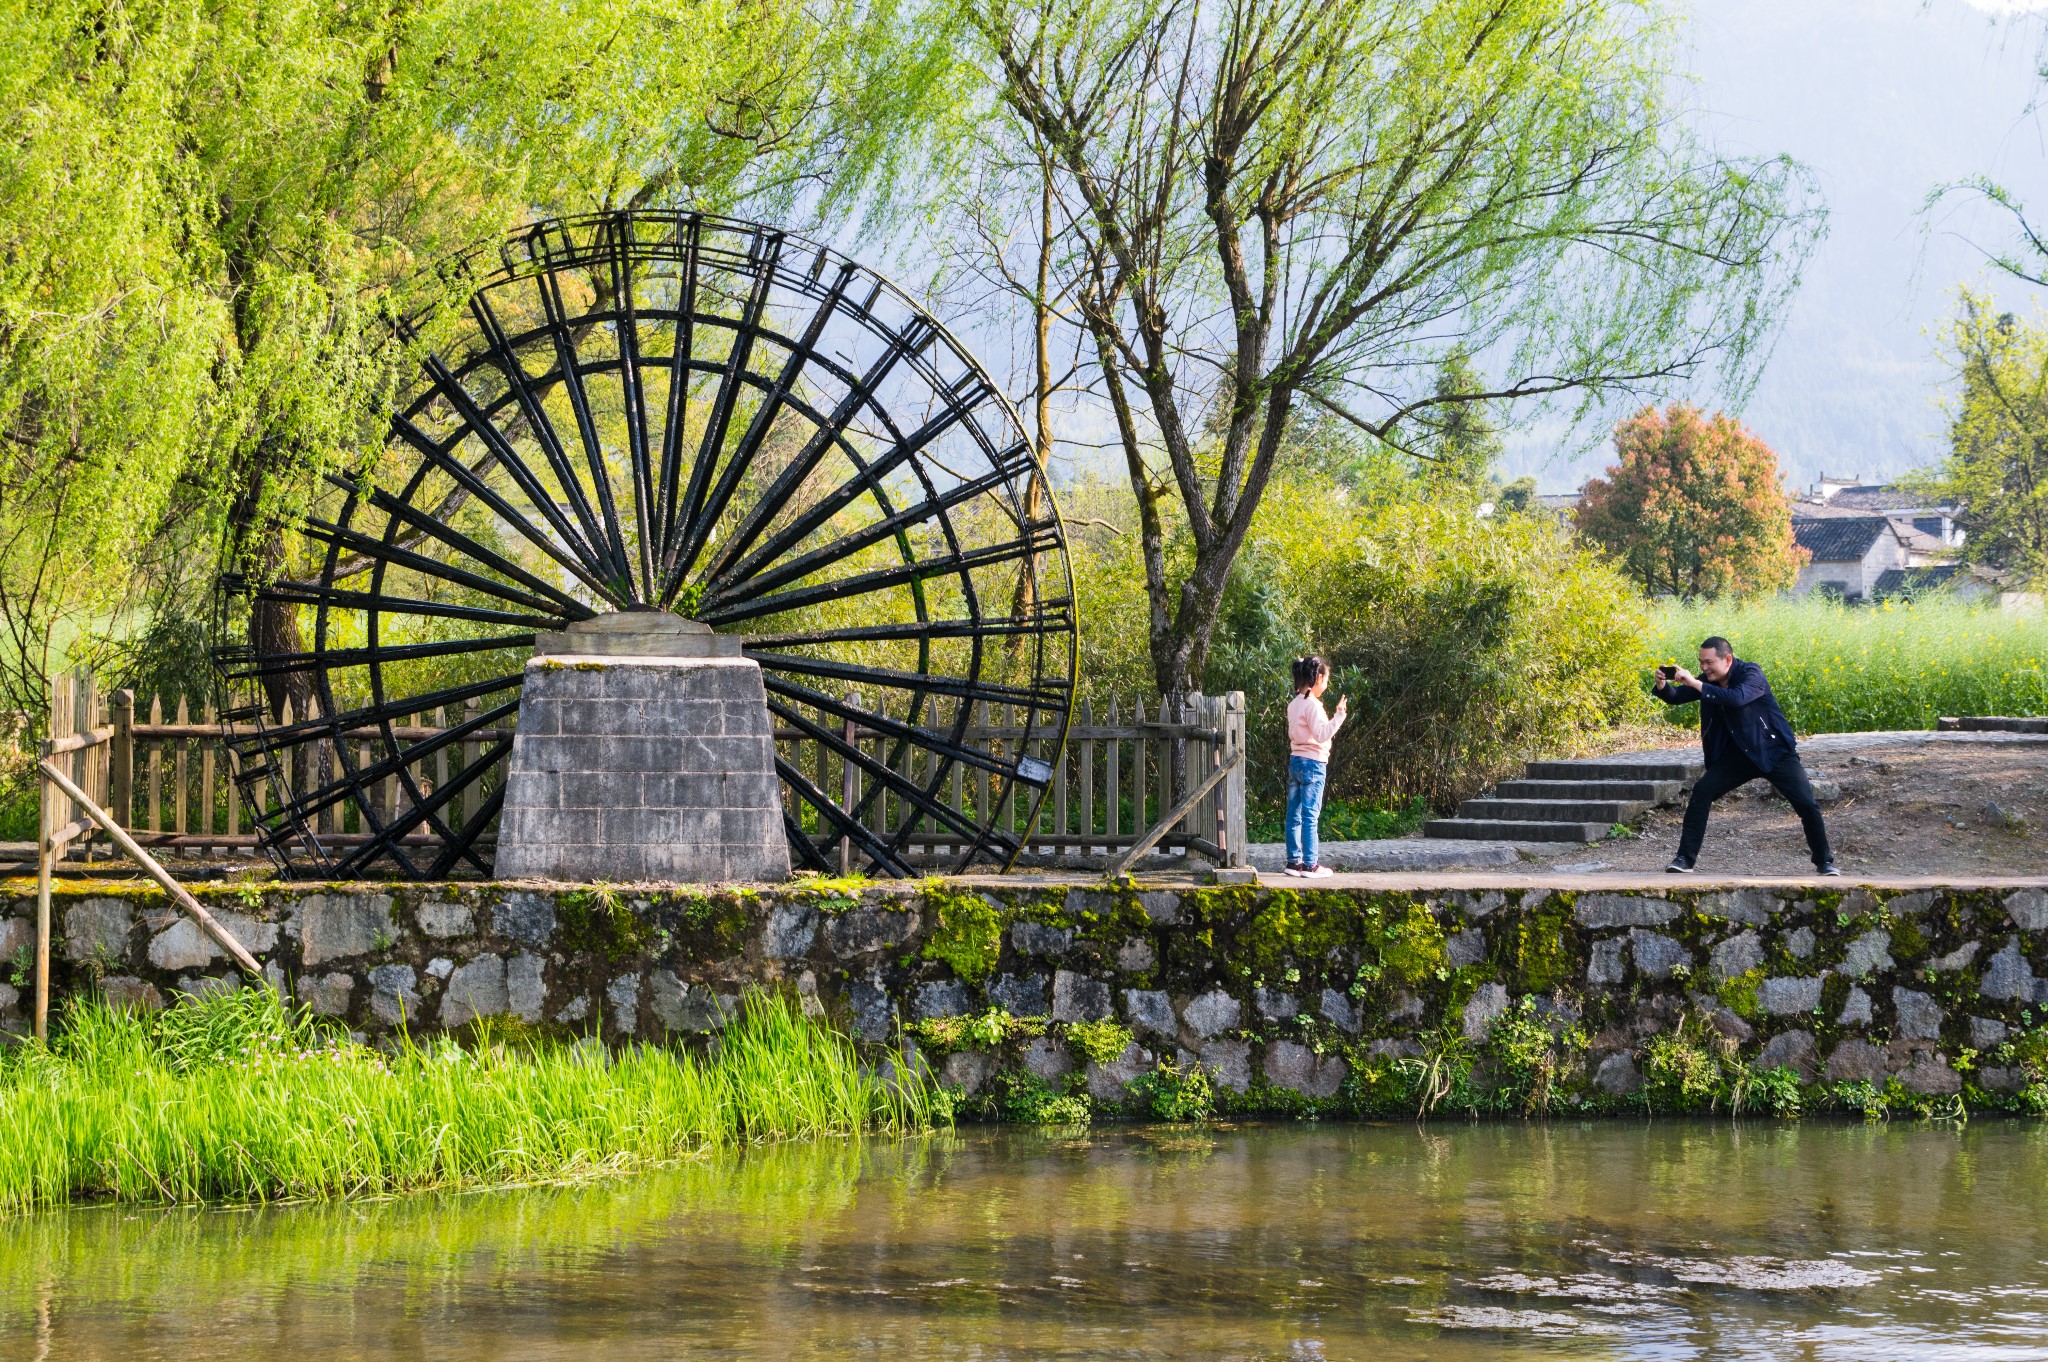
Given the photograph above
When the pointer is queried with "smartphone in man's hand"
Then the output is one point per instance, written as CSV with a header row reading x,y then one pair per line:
x,y
1668,672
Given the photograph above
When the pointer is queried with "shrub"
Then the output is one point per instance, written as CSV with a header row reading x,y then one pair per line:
x,y
1023,1098
1527,1057
1172,1092
1775,1090
1467,643
1683,1069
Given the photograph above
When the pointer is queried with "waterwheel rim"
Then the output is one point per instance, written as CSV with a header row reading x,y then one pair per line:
x,y
675,412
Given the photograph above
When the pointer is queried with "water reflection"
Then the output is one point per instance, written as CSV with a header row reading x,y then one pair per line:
x,y
1607,1241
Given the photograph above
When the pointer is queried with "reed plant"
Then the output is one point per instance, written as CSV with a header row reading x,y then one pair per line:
x,y
245,1097
1856,668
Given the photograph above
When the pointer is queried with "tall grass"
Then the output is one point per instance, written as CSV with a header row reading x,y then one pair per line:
x,y
245,1098
1843,669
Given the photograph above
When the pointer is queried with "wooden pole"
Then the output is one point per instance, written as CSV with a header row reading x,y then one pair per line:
x,y
849,782
121,756
43,916
177,891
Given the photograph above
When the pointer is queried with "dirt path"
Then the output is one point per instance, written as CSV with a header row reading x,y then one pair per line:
x,y
1896,803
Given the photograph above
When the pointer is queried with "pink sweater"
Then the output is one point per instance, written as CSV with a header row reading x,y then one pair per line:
x,y
1309,730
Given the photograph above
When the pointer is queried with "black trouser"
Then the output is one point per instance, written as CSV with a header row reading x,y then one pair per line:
x,y
1788,777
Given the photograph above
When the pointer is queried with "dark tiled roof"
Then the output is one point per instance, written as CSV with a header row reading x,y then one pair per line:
x,y
1884,497
1839,540
1825,510
1908,581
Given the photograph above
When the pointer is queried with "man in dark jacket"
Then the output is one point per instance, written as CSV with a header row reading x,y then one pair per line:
x,y
1745,736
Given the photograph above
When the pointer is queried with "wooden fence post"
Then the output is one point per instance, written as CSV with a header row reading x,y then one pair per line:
x,y
1236,835
121,779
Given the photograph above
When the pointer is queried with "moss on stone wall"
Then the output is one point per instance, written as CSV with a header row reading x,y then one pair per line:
x,y
966,933
1121,999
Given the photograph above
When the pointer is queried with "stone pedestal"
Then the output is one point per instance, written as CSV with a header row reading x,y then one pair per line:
x,y
645,752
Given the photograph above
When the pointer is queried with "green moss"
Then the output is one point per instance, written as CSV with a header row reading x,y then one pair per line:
x,y
817,889
1288,928
716,926
1738,994
1908,941
1414,949
598,920
1099,1041
1546,948
967,931
983,1031
1834,995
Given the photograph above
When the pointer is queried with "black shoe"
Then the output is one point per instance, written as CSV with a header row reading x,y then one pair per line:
x,y
1679,866
1828,869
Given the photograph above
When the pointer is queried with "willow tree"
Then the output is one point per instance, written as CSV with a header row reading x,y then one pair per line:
x,y
1281,203
201,206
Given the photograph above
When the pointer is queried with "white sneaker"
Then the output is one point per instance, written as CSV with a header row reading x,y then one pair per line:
x,y
1316,872
1295,871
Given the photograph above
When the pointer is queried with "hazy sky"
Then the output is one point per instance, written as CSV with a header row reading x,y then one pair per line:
x,y
1884,100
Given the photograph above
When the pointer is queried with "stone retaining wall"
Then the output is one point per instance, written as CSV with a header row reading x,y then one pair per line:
x,y
1287,1000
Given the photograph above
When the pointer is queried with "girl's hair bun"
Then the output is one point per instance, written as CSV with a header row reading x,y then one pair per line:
x,y
1307,669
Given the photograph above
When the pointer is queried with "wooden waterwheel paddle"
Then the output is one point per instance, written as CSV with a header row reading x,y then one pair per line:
x,y
671,412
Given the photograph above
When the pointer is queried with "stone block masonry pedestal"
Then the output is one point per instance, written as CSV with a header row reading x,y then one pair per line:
x,y
645,752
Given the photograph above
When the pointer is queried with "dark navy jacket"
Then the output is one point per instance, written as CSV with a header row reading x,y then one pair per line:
x,y
1741,716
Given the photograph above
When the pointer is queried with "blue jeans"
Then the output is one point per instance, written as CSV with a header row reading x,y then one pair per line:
x,y
1304,807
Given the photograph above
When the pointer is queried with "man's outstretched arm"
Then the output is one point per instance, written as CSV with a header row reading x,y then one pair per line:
x,y
1673,695
1752,686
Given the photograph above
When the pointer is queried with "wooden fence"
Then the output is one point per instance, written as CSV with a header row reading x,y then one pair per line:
x,y
169,777
1121,775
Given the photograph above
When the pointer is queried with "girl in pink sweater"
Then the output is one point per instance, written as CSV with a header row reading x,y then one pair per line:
x,y
1309,732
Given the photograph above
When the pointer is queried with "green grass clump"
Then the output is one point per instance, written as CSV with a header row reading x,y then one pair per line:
x,y
246,1098
1844,669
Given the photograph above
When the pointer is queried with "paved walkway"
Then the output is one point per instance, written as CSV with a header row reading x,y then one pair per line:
x,y
1490,879
1408,857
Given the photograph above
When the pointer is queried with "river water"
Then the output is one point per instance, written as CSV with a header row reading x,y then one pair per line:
x,y
1666,1241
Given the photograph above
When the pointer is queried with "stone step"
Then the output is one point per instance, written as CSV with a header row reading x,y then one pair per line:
x,y
1513,830
1988,723
1605,811
1641,791
1675,768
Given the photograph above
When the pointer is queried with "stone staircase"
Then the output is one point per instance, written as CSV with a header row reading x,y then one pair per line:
x,y
1570,801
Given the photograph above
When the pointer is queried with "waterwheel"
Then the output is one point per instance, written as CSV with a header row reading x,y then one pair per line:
x,y
667,412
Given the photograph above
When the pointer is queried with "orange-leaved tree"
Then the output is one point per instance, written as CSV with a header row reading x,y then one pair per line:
x,y
1694,507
